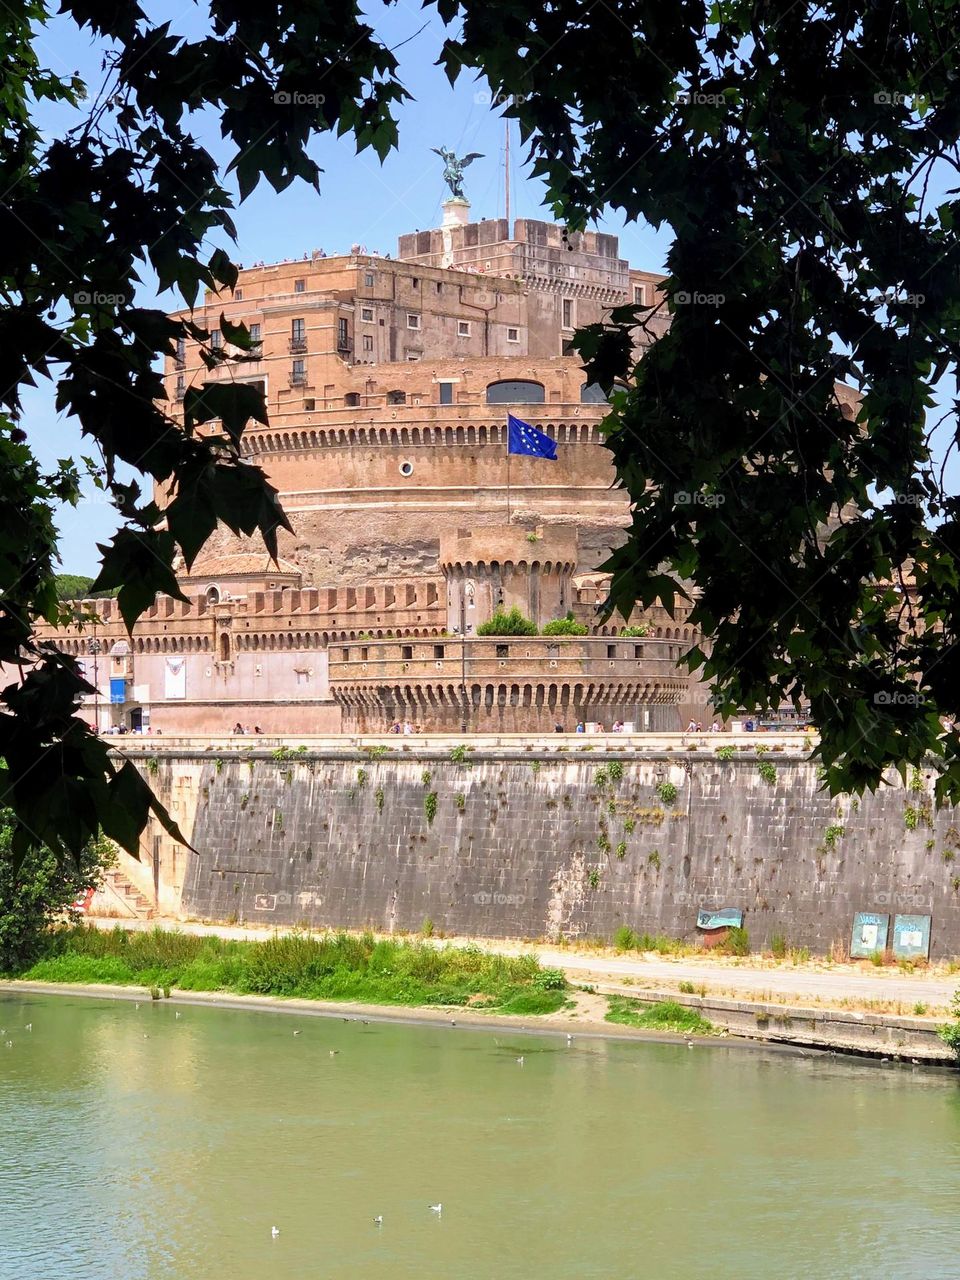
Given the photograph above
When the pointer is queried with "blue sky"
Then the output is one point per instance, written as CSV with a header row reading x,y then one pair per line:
x,y
360,201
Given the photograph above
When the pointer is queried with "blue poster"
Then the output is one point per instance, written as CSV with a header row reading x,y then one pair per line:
x,y
869,934
911,937
118,689
725,918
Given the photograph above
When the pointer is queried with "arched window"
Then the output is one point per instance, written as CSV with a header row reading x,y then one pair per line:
x,y
515,393
592,393
352,400
396,397
224,646
213,595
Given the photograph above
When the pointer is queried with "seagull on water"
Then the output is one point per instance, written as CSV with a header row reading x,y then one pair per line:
x,y
437,1208
9,1044
176,1015
28,1027
296,1033
334,1052
520,1059
274,1231
378,1220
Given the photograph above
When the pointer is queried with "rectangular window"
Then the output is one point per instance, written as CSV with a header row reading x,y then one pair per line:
x,y
181,352
255,334
298,330
446,393
298,373
364,653
413,321
503,651
181,388
611,650
299,286
343,334
368,342
406,652
369,280
309,406
463,328
567,313
366,314
639,295
412,356
238,295
345,655
513,335
216,339
438,650
638,650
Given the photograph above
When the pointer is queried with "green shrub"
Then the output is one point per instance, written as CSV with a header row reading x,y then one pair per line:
x,y
509,623
460,800
726,753
379,798
459,754
430,806
567,626
621,850
40,890
736,943
615,770
666,791
778,946
625,939
634,632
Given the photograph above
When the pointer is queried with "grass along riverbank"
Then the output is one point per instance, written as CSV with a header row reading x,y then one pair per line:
x,y
335,966
666,1015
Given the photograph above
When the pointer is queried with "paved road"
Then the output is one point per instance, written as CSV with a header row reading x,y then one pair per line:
x,y
801,983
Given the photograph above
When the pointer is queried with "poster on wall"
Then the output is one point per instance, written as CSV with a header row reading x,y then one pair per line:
x,y
725,918
911,937
869,934
175,678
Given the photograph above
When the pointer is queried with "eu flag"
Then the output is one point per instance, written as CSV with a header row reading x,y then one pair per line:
x,y
526,439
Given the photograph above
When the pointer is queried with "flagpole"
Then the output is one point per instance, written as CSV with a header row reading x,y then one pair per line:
x,y
508,482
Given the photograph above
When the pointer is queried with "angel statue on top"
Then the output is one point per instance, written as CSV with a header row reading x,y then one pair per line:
x,y
453,169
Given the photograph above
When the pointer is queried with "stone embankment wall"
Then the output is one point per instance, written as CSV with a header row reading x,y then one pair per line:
x,y
544,842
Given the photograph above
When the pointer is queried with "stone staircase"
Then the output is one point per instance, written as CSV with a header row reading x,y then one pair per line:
x,y
117,897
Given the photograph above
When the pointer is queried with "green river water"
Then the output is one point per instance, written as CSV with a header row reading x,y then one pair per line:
x,y
137,1145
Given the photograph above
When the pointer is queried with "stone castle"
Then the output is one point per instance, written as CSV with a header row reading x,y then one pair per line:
x,y
388,382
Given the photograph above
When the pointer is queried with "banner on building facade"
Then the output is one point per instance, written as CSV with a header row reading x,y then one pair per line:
x,y
175,678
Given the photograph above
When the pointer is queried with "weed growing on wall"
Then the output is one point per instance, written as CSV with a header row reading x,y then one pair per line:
x,y
666,791
460,800
615,771
430,806
832,835
594,878
621,850
218,766
459,754
426,777
601,777
767,771
361,777
153,766
654,859
378,798
726,753
630,825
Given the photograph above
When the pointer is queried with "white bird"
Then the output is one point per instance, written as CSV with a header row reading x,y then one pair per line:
x,y
137,1005
274,1231
9,1044
520,1059
569,1038
378,1220
437,1208
176,1015
28,1027
334,1052
296,1033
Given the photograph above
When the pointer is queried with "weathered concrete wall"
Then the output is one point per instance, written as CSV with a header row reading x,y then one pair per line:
x,y
528,844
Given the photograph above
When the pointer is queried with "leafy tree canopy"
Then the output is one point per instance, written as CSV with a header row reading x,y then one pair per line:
x,y
792,150
803,157
76,586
